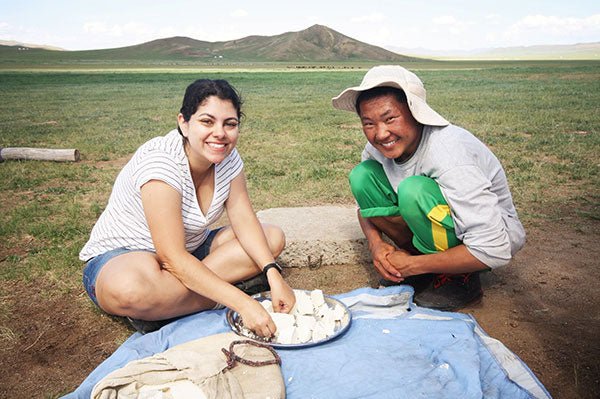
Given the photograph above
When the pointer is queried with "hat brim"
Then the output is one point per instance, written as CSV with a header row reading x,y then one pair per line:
x,y
421,111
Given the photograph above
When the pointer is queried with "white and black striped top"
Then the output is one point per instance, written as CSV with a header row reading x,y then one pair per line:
x,y
123,224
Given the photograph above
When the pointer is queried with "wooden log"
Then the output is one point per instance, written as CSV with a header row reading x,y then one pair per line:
x,y
40,154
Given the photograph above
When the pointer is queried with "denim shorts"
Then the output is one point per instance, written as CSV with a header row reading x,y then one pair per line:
x,y
94,265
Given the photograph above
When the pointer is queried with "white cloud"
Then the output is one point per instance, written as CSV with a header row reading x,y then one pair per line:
x,y
373,28
129,29
239,13
491,37
445,20
381,34
371,18
95,27
492,19
137,29
540,27
99,34
449,24
168,31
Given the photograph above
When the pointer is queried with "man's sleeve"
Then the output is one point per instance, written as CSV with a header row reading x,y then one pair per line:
x,y
476,214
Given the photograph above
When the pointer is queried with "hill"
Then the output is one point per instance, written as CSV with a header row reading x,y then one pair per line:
x,y
579,51
29,45
315,44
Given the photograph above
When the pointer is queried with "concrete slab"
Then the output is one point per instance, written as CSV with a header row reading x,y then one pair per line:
x,y
319,235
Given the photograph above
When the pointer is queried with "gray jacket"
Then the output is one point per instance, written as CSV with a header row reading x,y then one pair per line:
x,y
473,183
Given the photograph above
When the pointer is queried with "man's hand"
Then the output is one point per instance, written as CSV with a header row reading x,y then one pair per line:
x,y
403,262
380,253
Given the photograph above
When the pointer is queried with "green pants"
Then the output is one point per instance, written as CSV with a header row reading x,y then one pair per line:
x,y
419,201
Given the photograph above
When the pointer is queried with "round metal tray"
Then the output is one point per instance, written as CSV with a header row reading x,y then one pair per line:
x,y
234,321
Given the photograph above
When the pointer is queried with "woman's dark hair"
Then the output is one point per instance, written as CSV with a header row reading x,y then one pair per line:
x,y
377,92
197,92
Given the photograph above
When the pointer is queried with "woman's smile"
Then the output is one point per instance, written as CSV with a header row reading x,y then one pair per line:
x,y
211,132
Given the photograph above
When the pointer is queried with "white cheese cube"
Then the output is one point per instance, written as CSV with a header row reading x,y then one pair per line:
x,y
302,334
285,327
304,303
306,321
317,298
268,305
327,324
318,333
323,311
283,320
285,335
338,312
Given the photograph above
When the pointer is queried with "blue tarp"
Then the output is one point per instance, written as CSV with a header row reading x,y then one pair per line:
x,y
393,349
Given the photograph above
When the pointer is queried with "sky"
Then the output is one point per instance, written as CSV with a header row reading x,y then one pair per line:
x,y
427,24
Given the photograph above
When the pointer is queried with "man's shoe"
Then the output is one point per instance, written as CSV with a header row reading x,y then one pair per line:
x,y
451,291
419,282
254,285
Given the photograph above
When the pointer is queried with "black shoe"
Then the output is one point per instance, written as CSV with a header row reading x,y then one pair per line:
x,y
254,285
451,291
419,282
144,326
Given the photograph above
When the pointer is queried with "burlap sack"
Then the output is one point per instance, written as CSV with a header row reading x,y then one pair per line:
x,y
199,369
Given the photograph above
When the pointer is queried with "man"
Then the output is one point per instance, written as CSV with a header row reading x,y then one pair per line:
x,y
436,191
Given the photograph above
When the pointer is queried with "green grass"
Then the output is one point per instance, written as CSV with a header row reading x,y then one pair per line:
x,y
540,118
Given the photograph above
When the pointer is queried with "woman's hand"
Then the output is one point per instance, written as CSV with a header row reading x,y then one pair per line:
x,y
380,252
282,296
257,319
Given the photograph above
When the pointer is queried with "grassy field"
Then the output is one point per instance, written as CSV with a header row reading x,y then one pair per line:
x,y
541,119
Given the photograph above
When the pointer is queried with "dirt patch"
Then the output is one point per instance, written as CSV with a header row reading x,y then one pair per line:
x,y
49,344
543,307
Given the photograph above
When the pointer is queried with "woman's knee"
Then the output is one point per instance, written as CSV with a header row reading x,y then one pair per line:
x,y
275,238
123,296
274,235
121,289
136,294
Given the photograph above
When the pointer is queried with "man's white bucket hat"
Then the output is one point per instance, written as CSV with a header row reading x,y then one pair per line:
x,y
400,78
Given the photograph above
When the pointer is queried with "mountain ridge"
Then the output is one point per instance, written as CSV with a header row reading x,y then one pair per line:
x,y
317,43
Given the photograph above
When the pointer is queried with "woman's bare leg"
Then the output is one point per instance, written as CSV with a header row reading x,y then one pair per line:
x,y
134,284
228,259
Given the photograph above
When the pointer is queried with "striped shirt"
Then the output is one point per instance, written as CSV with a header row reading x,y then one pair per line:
x,y
123,223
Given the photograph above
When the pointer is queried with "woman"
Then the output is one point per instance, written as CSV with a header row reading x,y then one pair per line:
x,y
151,255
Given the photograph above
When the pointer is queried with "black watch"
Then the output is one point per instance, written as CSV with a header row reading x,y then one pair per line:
x,y
271,265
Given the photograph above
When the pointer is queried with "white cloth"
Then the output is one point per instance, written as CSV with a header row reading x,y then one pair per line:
x,y
196,369
473,183
123,223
